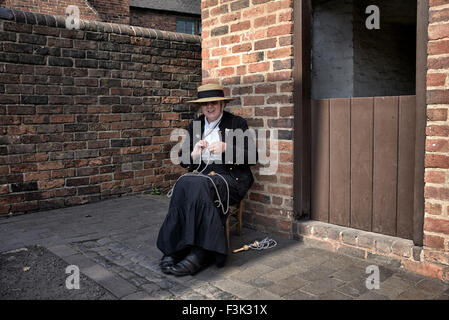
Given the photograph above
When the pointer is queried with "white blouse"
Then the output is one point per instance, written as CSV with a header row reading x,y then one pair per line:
x,y
211,137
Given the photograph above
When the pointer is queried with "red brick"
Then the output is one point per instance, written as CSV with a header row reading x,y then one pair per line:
x,y
436,79
265,21
280,53
242,48
437,131
279,76
225,40
253,100
425,269
435,242
265,44
50,165
438,31
437,114
437,145
51,184
435,177
244,25
438,63
437,161
36,176
280,30
437,96
230,61
436,225
433,208
259,67
438,47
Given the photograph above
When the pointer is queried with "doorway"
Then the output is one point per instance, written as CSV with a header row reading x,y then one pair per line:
x,y
359,132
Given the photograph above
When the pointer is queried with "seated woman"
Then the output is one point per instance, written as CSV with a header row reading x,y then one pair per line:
x,y
193,232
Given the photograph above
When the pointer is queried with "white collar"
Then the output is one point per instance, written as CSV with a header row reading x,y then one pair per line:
x,y
207,124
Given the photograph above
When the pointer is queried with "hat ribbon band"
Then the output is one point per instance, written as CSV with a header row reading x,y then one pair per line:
x,y
210,94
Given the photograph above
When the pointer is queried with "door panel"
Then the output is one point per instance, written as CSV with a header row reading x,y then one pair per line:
x,y
362,163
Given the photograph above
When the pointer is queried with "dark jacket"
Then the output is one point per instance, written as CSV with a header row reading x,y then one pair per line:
x,y
239,170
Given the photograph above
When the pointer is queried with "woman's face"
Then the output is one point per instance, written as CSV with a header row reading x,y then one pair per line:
x,y
212,110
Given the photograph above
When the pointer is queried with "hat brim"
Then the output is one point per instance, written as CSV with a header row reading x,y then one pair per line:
x,y
202,100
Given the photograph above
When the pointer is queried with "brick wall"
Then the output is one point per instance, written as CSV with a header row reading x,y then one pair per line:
x,y
116,11
155,19
247,47
436,223
86,114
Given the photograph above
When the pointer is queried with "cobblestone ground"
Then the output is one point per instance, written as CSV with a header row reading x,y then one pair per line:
x,y
113,243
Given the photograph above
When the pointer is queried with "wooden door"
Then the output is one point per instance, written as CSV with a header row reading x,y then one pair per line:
x,y
363,163
359,162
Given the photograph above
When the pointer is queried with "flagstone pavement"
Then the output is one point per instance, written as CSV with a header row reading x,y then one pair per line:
x,y
113,242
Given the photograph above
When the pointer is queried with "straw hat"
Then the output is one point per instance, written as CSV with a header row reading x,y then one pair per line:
x,y
210,92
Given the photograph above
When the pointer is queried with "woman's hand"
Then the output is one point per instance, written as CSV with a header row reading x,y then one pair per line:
x,y
217,147
199,148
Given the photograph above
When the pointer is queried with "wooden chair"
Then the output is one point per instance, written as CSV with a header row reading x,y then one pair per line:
x,y
236,213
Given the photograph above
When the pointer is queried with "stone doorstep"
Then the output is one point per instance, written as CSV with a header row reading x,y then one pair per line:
x,y
394,251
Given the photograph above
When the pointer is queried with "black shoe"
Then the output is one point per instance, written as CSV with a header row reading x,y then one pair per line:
x,y
191,264
166,263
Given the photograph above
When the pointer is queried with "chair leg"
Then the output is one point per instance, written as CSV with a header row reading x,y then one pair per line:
x,y
239,226
227,233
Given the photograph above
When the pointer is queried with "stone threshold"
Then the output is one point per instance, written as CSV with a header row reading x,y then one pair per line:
x,y
397,252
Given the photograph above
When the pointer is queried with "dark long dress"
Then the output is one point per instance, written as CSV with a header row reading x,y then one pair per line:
x,y
193,218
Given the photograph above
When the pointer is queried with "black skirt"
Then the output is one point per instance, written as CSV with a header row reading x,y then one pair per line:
x,y
194,217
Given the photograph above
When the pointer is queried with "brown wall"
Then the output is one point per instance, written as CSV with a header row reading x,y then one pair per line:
x,y
116,11
156,19
86,115
247,47
436,224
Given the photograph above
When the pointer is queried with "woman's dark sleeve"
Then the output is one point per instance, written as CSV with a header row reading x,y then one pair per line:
x,y
187,145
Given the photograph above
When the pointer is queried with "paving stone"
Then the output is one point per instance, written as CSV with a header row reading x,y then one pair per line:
x,y
251,273
416,294
299,295
79,260
353,288
62,250
260,282
282,289
322,286
150,287
116,285
317,273
338,263
350,273
236,288
393,287
120,237
262,294
433,286
137,281
193,296
334,295
283,273
372,295
206,289
442,297
140,295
